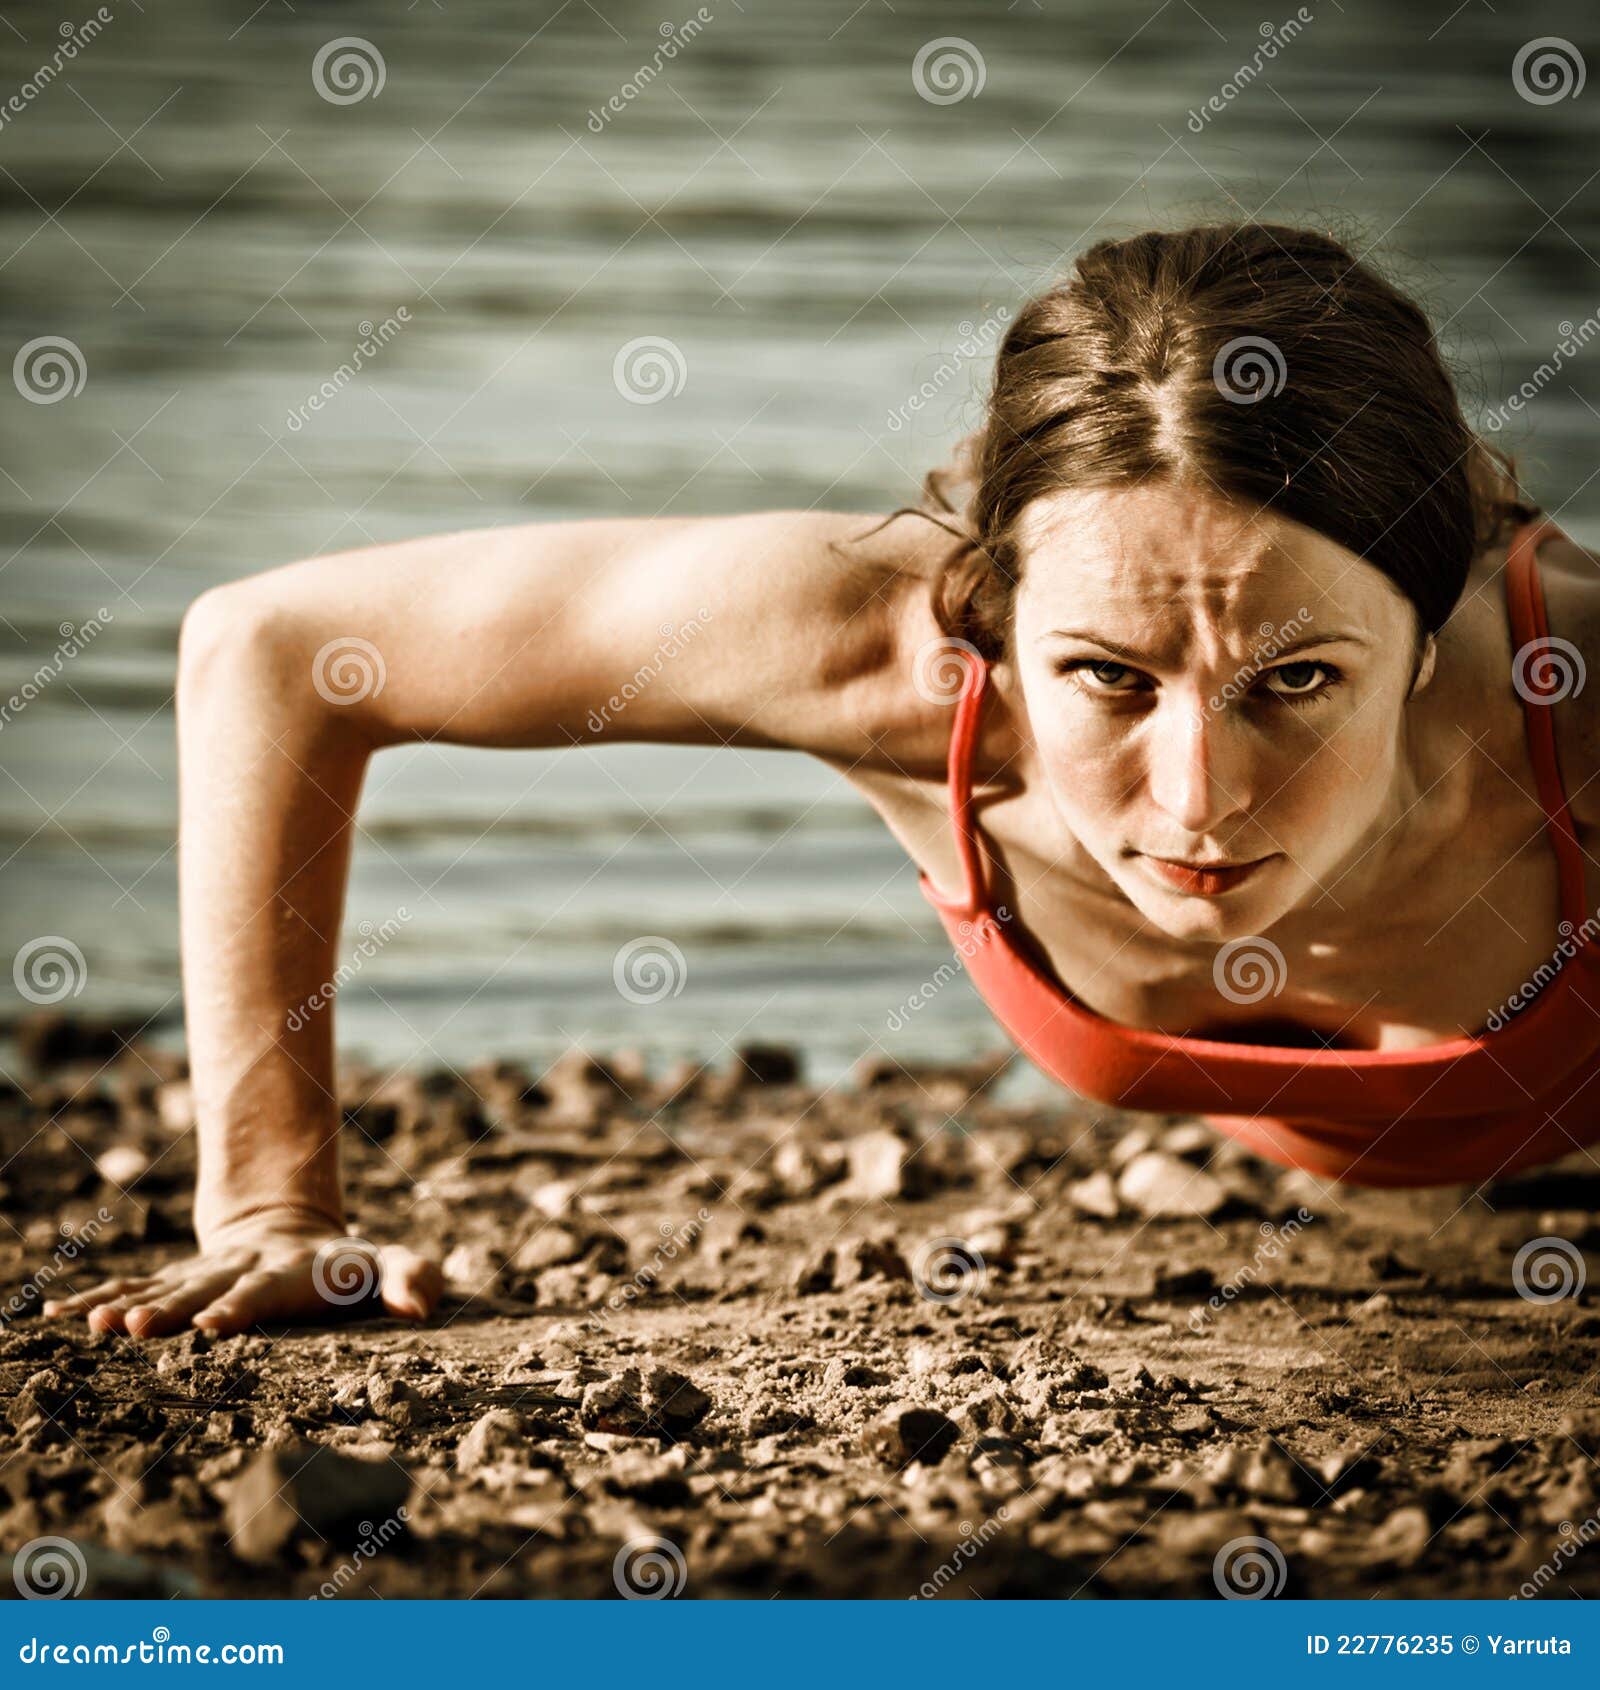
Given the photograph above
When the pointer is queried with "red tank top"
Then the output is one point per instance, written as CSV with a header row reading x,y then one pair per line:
x,y
1464,1109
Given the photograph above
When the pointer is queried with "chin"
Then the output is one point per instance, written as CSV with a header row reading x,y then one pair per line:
x,y
1236,915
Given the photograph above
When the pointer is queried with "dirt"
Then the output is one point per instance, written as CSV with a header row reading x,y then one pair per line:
x,y
721,1333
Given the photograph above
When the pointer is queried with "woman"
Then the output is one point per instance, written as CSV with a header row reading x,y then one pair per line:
x,y
1248,805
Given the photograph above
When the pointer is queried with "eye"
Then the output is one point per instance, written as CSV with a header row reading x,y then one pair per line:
x,y
1098,675
1305,682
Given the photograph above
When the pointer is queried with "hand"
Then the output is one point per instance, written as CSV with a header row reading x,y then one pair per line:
x,y
265,1267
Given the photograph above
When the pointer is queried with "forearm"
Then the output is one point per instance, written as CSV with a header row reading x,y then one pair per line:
x,y
270,774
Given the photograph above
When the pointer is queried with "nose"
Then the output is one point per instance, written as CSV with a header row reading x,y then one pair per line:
x,y
1199,765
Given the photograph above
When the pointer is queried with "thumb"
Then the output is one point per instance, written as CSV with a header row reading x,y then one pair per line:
x,y
411,1284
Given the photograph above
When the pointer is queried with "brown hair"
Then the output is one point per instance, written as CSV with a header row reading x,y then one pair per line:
x,y
1263,360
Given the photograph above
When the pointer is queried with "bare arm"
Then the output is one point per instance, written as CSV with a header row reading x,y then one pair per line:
x,y
749,630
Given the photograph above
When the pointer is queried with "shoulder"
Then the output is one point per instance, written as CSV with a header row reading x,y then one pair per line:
x,y
1569,575
883,677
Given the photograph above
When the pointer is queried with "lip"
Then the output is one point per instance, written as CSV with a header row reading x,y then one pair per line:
x,y
1200,879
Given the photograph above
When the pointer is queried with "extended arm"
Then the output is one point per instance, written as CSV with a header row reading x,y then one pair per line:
x,y
750,630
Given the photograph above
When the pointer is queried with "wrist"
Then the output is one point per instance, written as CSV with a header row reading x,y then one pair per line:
x,y
215,1221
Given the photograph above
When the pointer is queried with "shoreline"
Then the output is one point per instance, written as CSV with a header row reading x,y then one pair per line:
x,y
815,1339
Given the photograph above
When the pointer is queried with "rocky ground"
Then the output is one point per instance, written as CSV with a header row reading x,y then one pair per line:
x,y
724,1334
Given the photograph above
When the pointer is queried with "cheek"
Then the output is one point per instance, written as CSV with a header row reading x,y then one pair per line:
x,y
1092,770
1334,784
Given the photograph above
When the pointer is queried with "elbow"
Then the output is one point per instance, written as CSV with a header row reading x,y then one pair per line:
x,y
236,644
222,629
245,645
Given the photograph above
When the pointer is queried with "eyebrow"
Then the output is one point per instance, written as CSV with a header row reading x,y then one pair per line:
x,y
1134,656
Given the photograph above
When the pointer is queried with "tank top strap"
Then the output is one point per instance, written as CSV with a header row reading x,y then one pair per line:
x,y
1545,670
963,743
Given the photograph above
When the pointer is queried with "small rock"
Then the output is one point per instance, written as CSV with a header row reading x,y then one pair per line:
x,y
802,1170
1160,1185
877,1162
499,1434
472,1270
657,1403
50,1039
988,1412
578,1088
121,1165
48,1392
1345,1469
1185,1282
999,1464
1402,1539
556,1197
1264,1469
816,1275
906,1434
394,1400
870,1258
295,1494
1193,1141
856,1374
767,1065
1096,1195
1131,1144
550,1245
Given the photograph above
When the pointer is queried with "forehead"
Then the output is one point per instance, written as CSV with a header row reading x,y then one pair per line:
x,y
1126,552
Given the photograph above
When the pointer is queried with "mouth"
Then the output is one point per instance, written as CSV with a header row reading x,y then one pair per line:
x,y
1205,879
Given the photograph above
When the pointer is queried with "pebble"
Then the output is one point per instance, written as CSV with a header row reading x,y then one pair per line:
x,y
547,1246
877,1162
1160,1185
870,1258
50,1039
1131,1144
816,1273
988,1411
471,1270
1192,1140
767,1065
556,1197
295,1494
175,1106
1264,1469
394,1400
910,1434
802,1170
999,1464
1096,1195
1402,1539
654,1403
922,1359
499,1434
1185,1282
121,1165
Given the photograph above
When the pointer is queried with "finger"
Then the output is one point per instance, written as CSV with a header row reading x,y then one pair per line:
x,y
80,1302
153,1317
411,1283
112,1316
251,1297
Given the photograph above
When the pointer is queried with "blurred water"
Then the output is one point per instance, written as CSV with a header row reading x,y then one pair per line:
x,y
785,206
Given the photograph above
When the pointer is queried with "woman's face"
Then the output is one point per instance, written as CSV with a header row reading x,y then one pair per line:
x,y
1206,680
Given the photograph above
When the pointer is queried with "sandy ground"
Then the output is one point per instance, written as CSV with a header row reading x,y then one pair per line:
x,y
719,1334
